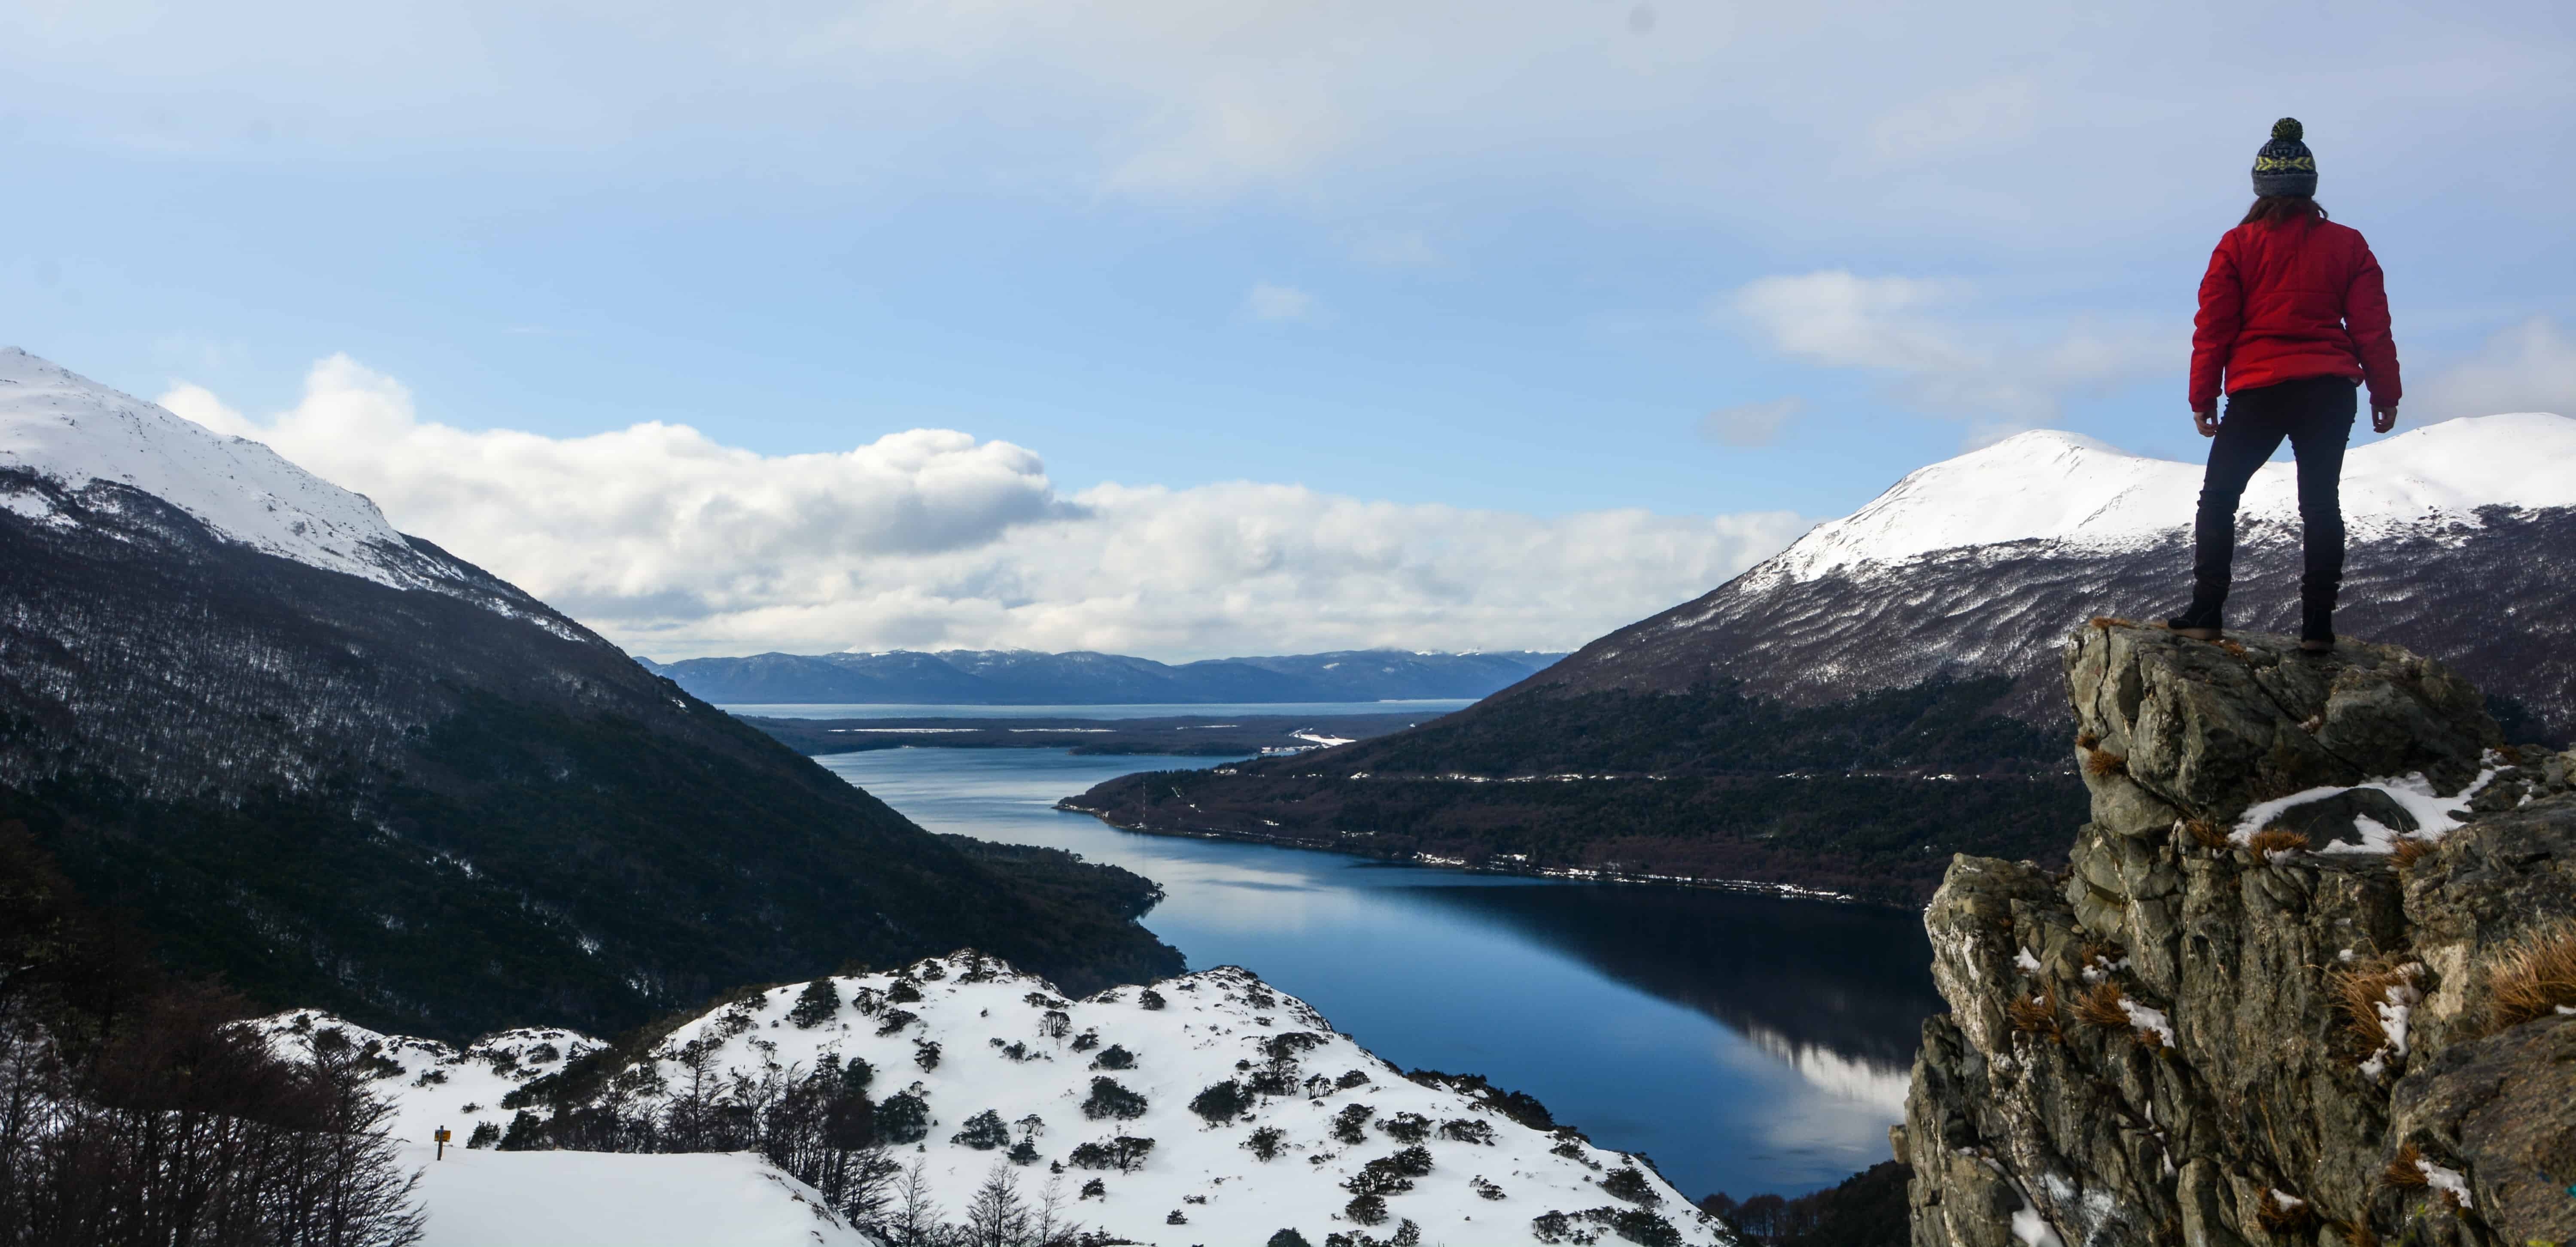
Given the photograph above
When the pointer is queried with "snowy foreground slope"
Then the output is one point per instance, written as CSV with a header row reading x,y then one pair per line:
x,y
1008,1045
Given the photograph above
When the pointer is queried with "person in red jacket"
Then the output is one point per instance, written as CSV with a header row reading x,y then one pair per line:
x,y
2293,318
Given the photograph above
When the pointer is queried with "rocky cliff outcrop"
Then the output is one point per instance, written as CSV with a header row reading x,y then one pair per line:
x,y
2310,976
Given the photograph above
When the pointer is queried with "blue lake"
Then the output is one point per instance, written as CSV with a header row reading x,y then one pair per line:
x,y
1428,708
1745,1043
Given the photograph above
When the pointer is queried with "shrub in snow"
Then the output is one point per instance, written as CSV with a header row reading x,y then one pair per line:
x,y
903,1118
1023,1152
1406,1235
1351,1124
1407,1127
1176,1218
1483,1188
1114,1057
931,970
1150,998
1572,1150
815,1005
983,1132
1412,1162
1350,1079
1467,1130
1126,1154
925,1053
1287,1044
1221,1102
1041,1000
1366,1210
1094,1189
1630,1183
1086,1041
1265,1142
1109,1100
486,1133
868,1001
1269,1082
895,1020
1635,1225
1287,1238
904,992
1054,1024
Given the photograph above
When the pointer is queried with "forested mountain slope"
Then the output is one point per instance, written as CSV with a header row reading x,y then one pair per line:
x,y
342,767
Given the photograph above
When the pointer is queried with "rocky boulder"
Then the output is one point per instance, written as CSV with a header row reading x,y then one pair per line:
x,y
2260,1006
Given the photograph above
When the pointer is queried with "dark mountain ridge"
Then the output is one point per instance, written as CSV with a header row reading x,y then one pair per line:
x,y
1084,678
409,789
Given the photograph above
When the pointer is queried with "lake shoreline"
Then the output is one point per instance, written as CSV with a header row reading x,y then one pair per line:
x,y
1563,874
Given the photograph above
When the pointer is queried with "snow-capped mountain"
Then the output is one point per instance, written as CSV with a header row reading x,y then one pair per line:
x,y
339,765
1207,1108
1979,564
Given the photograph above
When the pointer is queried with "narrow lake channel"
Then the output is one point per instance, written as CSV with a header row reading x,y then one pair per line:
x,y
1746,1043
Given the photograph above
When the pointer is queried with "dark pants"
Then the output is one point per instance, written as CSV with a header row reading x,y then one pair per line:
x,y
2315,414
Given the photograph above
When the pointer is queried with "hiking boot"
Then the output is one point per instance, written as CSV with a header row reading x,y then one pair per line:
x,y
2316,628
2200,623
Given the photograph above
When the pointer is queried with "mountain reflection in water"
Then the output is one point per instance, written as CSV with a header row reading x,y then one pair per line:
x,y
1746,1043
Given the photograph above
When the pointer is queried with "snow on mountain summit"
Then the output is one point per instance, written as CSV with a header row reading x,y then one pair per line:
x,y
2050,485
70,434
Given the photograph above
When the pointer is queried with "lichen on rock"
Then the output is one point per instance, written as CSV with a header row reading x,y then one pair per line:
x,y
2160,1044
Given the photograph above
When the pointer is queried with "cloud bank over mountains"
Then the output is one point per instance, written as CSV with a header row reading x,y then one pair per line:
x,y
675,545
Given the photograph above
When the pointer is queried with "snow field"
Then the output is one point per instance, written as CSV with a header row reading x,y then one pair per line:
x,y
1214,1026
606,1199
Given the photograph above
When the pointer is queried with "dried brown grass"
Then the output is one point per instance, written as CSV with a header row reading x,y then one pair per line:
x,y
2409,850
2233,649
2357,1234
2360,988
2273,840
2102,950
2101,1005
2403,1171
2204,833
2087,741
2108,622
2035,1015
2532,977
2280,1222
2102,764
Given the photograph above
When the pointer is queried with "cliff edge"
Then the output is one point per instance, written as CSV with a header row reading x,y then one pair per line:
x,y
2310,976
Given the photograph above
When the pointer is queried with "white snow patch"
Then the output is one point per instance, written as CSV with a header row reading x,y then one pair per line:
x,y
2149,1019
2434,813
608,1199
2029,964
2449,1181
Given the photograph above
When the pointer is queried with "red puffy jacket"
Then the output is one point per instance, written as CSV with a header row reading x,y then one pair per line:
x,y
2297,298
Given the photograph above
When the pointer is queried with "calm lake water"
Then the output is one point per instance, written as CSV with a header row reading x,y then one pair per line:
x,y
1427,707
1747,1044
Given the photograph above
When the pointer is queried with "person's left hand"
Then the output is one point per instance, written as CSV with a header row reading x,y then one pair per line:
x,y
2206,420
2382,419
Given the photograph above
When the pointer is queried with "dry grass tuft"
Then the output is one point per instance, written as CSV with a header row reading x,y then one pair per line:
x,y
2087,741
2035,1015
2403,1171
2412,849
2279,1222
2533,977
2204,833
2108,622
2101,764
2357,1234
2233,649
2101,1006
2360,988
2273,840
2512,754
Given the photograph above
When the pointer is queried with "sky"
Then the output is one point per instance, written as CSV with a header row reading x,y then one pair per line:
x,y
1189,328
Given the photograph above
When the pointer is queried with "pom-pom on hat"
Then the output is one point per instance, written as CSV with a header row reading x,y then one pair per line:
x,y
2285,166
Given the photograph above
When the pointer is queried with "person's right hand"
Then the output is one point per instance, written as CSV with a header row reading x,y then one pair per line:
x,y
2382,419
2206,420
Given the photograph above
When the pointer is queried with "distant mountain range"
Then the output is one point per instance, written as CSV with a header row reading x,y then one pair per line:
x,y
1885,692
336,764
1082,678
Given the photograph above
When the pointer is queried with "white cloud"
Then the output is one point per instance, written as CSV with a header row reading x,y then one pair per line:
x,y
2529,367
1749,424
1986,116
2006,375
1266,301
674,545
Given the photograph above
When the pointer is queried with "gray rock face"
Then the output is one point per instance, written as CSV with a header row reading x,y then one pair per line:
x,y
2161,1045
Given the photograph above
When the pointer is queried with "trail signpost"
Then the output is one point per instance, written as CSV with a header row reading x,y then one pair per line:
x,y
442,1137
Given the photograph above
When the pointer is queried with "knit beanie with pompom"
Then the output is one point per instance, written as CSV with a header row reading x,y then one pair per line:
x,y
2284,166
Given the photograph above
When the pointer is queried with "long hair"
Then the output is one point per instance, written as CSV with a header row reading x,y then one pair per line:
x,y
2273,209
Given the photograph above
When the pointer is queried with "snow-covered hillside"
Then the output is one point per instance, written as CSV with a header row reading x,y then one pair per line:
x,y
1207,1109
64,431
2066,488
